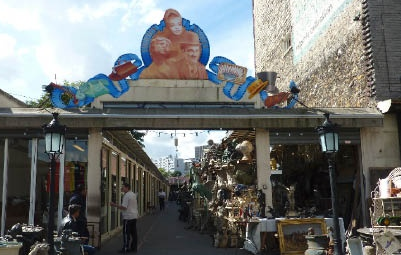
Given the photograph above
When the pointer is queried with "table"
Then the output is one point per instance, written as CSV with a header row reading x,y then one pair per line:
x,y
253,240
10,248
369,236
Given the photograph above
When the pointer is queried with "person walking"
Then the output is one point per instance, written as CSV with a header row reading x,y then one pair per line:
x,y
79,198
162,198
129,211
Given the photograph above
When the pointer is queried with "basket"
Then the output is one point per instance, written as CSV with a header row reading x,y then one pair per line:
x,y
395,177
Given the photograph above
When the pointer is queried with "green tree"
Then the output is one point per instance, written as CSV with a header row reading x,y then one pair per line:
x,y
42,102
176,173
164,172
139,137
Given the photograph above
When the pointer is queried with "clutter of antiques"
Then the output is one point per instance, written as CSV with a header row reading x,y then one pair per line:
x,y
225,197
383,237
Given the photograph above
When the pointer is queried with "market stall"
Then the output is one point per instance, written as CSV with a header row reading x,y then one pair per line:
x,y
228,203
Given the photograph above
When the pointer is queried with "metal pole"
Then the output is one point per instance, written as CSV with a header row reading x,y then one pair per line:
x,y
50,223
337,241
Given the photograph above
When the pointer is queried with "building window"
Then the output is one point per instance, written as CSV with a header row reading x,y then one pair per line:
x,y
286,44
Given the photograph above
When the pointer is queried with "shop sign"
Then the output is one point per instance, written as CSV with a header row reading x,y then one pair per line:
x,y
173,49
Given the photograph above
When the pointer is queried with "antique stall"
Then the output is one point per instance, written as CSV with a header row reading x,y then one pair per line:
x,y
384,235
229,206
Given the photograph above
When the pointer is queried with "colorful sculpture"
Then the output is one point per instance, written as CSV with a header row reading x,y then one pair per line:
x,y
173,49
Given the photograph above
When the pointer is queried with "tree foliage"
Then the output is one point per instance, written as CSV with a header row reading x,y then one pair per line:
x,y
176,173
164,172
139,137
42,102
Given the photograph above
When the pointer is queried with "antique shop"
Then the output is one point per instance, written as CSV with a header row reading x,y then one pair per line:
x,y
269,170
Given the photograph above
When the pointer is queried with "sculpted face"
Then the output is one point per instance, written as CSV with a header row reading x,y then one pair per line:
x,y
192,53
175,25
161,45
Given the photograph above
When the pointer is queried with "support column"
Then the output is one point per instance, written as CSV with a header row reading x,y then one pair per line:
x,y
262,140
93,200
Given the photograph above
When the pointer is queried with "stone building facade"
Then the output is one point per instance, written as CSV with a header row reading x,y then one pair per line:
x,y
341,55
333,71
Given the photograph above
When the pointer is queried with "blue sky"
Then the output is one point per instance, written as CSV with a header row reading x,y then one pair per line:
x,y
52,41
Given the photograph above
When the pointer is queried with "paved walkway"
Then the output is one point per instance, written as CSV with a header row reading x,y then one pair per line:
x,y
162,233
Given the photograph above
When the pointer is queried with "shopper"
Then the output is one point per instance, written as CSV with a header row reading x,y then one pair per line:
x,y
129,211
162,198
79,198
71,222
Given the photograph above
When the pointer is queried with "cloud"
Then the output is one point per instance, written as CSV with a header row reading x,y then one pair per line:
x,y
164,145
20,16
140,14
89,12
7,46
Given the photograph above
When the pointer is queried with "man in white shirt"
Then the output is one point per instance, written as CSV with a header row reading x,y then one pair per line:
x,y
162,198
129,211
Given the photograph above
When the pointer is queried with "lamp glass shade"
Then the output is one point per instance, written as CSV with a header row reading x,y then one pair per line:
x,y
54,136
54,143
329,142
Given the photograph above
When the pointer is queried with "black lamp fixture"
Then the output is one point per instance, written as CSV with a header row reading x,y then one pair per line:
x,y
328,137
54,139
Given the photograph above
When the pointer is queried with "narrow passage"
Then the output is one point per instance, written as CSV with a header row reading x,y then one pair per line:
x,y
163,233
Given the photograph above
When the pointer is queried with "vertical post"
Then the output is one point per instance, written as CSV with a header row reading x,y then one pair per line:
x,y
328,137
337,242
54,139
61,189
50,223
5,182
32,197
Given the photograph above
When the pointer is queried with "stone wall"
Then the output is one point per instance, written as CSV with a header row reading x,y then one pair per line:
x,y
332,73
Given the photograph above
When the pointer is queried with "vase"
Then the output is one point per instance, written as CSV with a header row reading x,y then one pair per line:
x,y
317,244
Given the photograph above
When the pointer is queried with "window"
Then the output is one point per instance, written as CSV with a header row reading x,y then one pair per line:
x,y
286,44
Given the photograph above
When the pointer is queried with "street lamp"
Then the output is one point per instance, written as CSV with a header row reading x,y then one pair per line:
x,y
329,141
54,139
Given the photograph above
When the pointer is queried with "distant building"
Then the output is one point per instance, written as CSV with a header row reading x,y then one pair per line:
x,y
199,151
167,163
187,165
179,165
172,164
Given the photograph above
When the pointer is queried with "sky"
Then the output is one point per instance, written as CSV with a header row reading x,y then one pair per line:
x,y
161,143
69,40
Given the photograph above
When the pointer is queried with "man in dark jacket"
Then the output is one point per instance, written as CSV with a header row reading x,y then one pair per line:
x,y
79,198
71,222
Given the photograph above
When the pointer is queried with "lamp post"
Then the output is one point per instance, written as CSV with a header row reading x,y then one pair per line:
x,y
329,141
54,139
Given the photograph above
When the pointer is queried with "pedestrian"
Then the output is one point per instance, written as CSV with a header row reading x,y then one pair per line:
x,y
129,211
79,198
162,198
71,222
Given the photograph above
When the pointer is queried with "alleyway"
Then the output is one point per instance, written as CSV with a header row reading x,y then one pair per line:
x,y
162,233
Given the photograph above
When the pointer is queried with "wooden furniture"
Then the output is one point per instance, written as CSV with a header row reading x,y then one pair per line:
x,y
386,223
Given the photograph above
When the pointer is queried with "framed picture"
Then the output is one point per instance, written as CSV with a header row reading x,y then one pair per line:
x,y
291,233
